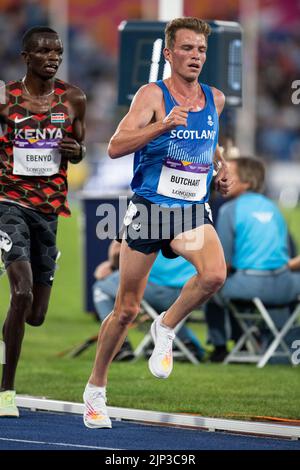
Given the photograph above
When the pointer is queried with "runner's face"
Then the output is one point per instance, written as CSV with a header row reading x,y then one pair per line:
x,y
188,54
45,55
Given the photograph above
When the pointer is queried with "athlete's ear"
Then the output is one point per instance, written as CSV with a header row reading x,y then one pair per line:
x,y
25,56
167,54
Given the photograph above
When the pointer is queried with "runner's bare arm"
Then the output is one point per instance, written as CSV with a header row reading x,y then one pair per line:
x,y
219,99
73,147
140,125
223,180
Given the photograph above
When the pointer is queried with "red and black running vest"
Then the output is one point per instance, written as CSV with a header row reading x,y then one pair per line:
x,y
47,194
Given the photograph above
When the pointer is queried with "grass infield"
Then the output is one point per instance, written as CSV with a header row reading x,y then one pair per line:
x,y
232,391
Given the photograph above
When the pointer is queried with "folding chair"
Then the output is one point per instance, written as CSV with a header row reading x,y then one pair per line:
x,y
251,317
147,340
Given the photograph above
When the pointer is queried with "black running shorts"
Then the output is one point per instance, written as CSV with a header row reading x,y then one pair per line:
x,y
149,228
33,238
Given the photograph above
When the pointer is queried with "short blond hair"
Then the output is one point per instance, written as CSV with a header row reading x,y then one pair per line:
x,y
188,22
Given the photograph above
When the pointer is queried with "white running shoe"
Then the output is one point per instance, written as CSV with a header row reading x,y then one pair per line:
x,y
8,404
95,411
161,360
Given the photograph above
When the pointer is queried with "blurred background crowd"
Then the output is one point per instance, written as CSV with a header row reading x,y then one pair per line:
x,y
91,62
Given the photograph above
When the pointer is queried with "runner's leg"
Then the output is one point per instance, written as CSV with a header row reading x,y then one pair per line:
x,y
134,270
211,272
41,297
20,278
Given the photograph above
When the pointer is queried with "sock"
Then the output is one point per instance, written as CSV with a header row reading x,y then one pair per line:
x,y
161,324
93,388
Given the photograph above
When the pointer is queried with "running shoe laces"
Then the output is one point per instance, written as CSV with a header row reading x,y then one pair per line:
x,y
95,411
161,360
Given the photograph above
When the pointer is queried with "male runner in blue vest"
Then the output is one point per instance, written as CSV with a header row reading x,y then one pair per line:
x,y
172,126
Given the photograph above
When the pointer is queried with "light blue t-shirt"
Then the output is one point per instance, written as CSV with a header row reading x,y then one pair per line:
x,y
171,272
253,233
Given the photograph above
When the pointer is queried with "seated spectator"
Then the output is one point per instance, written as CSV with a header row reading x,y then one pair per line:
x,y
166,279
254,236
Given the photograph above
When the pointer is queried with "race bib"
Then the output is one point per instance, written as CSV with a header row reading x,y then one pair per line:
x,y
180,179
38,158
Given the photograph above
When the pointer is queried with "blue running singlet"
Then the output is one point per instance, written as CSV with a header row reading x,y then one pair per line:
x,y
177,166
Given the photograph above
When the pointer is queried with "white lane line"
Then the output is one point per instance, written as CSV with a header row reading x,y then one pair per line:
x,y
63,444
